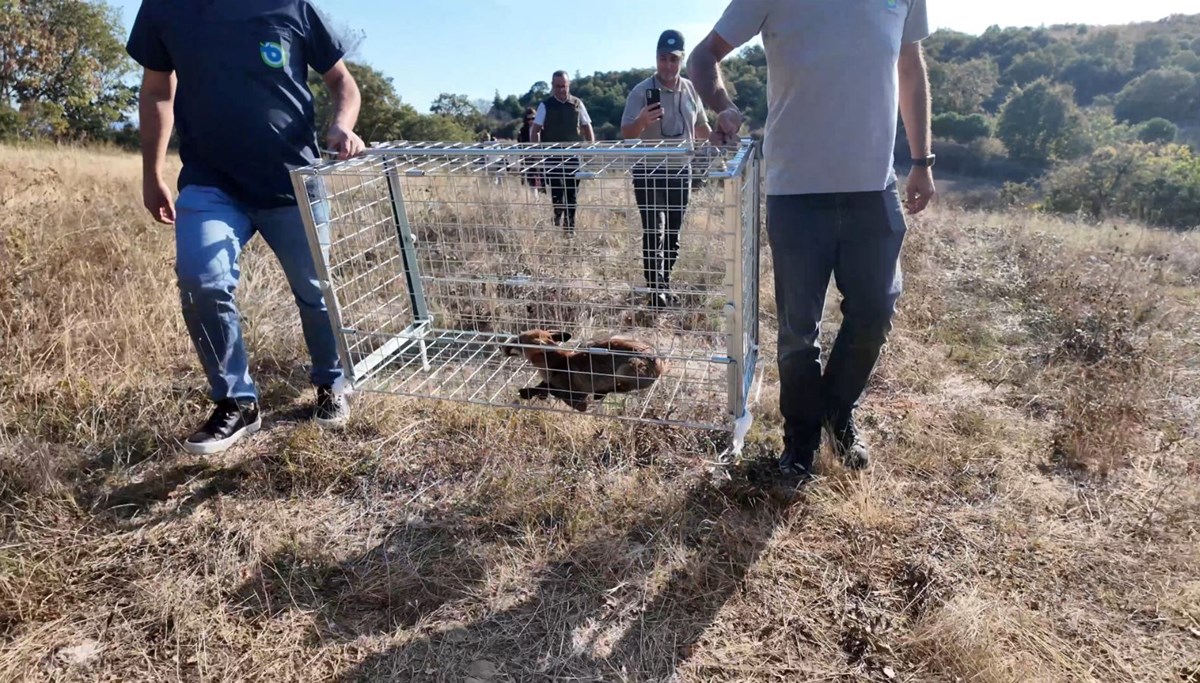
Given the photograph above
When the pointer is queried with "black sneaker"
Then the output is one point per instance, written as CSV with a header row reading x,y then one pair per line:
x,y
799,451
847,443
229,423
333,410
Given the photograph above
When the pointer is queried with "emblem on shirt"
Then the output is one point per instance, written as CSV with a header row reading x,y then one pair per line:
x,y
892,4
273,55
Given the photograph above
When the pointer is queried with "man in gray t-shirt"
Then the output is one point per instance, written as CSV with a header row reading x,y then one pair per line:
x,y
837,72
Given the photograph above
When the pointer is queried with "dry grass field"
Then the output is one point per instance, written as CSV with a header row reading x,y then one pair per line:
x,y
1031,514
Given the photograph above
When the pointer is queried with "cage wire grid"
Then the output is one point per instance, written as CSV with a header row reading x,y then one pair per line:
x,y
435,257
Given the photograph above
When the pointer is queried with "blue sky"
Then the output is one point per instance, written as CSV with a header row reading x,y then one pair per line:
x,y
475,47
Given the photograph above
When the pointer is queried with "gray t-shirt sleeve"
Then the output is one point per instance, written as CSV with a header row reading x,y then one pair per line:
x,y
742,20
633,105
916,26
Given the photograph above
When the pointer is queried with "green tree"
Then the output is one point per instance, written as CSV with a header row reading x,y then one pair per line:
x,y
962,87
456,106
1156,183
1041,123
961,128
1029,67
1092,76
1151,53
1166,93
61,65
1157,130
382,116
438,128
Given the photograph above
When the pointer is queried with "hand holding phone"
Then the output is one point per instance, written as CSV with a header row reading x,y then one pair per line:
x,y
653,110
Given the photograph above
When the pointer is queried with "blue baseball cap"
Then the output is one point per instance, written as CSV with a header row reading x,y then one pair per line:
x,y
671,41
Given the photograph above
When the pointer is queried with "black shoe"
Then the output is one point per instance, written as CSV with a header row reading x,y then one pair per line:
x,y
230,422
846,441
333,410
799,452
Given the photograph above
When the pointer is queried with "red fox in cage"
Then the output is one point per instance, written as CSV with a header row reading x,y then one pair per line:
x,y
605,366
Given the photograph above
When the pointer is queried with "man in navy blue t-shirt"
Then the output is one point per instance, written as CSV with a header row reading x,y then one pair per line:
x,y
232,78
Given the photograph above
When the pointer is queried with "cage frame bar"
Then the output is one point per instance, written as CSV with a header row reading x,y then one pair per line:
x,y
320,263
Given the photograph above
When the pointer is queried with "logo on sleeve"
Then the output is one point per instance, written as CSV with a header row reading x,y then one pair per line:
x,y
273,54
891,4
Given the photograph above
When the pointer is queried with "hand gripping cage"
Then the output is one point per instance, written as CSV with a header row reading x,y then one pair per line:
x,y
616,278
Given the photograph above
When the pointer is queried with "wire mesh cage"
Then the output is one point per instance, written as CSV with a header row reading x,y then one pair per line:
x,y
613,278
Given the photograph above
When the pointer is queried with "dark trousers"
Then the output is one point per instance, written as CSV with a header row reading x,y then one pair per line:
x,y
564,188
662,198
855,237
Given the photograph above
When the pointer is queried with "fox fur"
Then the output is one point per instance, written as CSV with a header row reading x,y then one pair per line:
x,y
605,366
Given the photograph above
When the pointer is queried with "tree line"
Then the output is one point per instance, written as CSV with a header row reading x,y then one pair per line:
x,y
1015,104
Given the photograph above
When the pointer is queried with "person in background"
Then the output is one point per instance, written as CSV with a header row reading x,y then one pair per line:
x,y
837,79
665,106
562,117
530,176
233,77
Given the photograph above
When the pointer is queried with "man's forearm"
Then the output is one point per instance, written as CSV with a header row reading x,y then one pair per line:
x,y
704,70
155,120
347,102
589,133
915,103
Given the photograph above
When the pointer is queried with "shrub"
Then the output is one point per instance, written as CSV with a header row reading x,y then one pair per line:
x,y
1157,130
961,128
1041,123
1159,184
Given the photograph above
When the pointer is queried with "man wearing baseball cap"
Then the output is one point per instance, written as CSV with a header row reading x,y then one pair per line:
x,y
665,106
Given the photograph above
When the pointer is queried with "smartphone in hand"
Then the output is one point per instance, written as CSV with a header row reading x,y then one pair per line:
x,y
653,97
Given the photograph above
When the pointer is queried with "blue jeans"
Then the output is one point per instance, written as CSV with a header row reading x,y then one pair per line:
x,y
855,237
211,229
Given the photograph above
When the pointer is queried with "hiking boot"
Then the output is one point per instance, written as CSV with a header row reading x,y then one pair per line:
x,y
333,410
847,443
799,451
229,423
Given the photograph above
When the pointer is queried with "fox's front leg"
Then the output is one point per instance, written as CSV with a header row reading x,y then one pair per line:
x,y
540,391
576,399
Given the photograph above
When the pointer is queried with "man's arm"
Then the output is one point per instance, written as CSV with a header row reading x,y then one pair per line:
x,y
585,123
704,71
156,117
915,111
347,101
539,118
703,130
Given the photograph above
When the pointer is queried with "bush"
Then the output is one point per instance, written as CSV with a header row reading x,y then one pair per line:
x,y
10,124
1157,130
1158,184
1166,93
961,128
1041,123
982,158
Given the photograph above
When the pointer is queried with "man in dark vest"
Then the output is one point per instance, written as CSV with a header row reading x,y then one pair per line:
x,y
562,117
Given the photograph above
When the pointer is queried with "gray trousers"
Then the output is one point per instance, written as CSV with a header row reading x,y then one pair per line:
x,y
855,237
